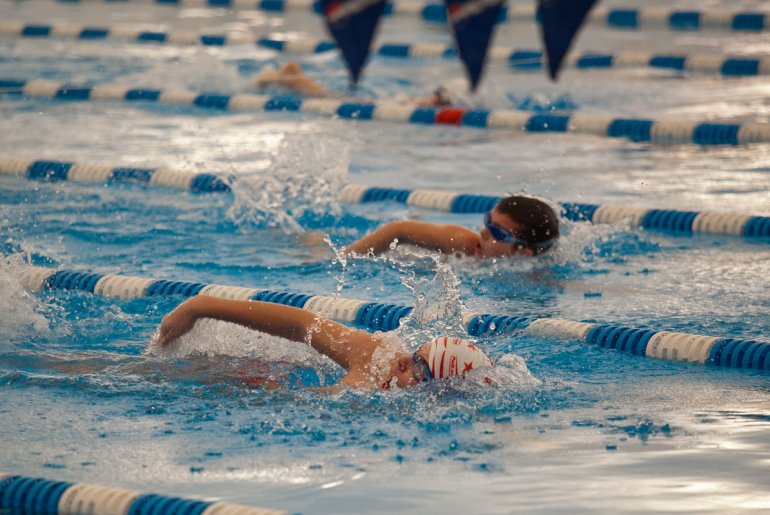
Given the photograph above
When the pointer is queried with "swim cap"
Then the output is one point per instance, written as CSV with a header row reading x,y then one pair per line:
x,y
454,357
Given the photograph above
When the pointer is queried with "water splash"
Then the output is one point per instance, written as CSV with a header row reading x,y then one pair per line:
x,y
216,338
509,373
302,184
21,310
437,305
221,341
438,309
339,257
542,103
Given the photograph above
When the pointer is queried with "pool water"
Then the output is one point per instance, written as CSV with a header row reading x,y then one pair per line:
x,y
568,427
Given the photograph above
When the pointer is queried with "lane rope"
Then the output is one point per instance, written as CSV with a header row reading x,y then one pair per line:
x,y
32,495
637,130
517,58
375,316
46,170
672,221
615,18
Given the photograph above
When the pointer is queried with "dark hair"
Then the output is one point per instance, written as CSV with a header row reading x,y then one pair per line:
x,y
540,225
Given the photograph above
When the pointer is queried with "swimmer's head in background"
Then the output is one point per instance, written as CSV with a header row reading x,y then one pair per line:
x,y
450,357
441,97
539,225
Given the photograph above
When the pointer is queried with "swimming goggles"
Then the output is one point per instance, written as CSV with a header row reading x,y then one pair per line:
x,y
420,369
501,233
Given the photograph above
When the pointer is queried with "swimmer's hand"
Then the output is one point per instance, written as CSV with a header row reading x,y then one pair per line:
x,y
315,242
179,322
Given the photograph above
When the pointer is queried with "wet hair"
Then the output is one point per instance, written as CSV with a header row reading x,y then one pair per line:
x,y
441,97
539,223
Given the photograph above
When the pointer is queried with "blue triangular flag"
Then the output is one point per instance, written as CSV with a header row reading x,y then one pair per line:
x,y
560,21
352,24
472,22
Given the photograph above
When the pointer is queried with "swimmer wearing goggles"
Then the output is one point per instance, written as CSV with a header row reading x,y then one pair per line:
x,y
517,226
420,369
353,349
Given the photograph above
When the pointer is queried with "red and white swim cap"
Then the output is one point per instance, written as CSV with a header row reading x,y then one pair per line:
x,y
454,357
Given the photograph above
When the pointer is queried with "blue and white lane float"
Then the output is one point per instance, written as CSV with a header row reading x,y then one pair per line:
x,y
517,58
92,33
31,495
623,18
669,220
531,60
375,316
618,17
55,171
638,130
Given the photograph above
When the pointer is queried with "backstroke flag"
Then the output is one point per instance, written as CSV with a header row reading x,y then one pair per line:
x,y
472,22
352,24
560,21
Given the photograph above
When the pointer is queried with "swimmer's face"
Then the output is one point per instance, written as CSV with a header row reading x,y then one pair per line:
x,y
402,369
488,247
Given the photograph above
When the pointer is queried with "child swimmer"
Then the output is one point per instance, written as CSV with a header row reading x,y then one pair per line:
x,y
517,226
292,78
370,361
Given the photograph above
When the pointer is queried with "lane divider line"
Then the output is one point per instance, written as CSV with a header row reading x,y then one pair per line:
x,y
375,316
517,58
615,18
672,221
683,223
637,130
32,495
46,170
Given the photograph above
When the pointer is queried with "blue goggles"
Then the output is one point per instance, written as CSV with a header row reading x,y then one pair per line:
x,y
420,369
501,233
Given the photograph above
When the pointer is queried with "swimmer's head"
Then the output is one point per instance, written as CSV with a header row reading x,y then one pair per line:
x,y
518,225
441,97
442,358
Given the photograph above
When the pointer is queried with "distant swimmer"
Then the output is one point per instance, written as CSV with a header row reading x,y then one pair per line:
x,y
292,78
517,226
371,361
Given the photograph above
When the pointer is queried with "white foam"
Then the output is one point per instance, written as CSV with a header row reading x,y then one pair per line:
x,y
509,373
216,338
307,174
20,309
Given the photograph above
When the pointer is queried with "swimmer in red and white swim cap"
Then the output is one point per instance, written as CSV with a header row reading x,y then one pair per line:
x,y
371,361
449,357
443,358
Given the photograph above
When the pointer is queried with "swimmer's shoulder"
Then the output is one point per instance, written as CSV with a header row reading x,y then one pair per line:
x,y
459,238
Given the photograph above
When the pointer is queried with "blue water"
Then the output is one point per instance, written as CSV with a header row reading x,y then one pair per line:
x,y
569,427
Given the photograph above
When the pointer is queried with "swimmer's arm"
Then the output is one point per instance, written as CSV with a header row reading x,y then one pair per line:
x,y
291,77
347,347
444,238
306,87
332,389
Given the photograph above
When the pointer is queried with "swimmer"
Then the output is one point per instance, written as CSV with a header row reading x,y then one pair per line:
x,y
369,360
517,226
292,78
